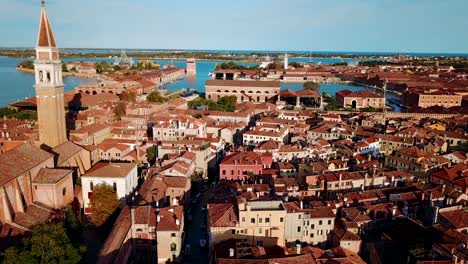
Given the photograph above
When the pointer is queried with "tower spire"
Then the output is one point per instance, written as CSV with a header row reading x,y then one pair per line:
x,y
45,37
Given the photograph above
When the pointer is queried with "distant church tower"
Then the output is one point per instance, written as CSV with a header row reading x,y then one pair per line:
x,y
49,86
286,64
191,67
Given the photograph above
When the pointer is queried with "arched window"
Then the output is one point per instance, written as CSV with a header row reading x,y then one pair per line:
x,y
41,76
48,77
258,91
250,91
234,91
218,91
226,91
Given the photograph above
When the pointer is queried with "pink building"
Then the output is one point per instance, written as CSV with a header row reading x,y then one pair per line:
x,y
238,165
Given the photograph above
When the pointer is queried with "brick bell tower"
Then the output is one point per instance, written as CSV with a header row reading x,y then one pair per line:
x,y
49,86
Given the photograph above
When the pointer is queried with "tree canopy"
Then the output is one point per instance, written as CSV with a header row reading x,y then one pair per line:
x,y
120,110
26,64
49,244
155,97
151,154
104,201
295,64
21,115
234,66
311,86
225,103
128,97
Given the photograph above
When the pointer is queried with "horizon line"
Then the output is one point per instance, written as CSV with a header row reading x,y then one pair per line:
x,y
259,51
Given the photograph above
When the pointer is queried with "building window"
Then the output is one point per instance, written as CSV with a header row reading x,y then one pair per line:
x,y
281,219
329,222
299,217
91,186
311,235
224,172
298,229
173,247
252,220
267,220
243,219
260,220
114,186
64,191
312,226
320,222
233,231
173,235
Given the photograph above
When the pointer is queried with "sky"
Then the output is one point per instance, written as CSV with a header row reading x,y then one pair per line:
x,y
294,25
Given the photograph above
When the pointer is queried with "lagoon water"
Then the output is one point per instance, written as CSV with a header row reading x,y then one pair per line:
x,y
15,85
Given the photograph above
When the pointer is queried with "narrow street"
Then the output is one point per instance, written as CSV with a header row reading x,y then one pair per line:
x,y
196,229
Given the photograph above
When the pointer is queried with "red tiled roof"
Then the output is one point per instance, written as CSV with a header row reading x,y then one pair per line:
x,y
51,176
458,218
46,36
222,215
19,160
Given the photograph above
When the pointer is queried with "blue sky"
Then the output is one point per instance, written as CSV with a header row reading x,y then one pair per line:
x,y
325,25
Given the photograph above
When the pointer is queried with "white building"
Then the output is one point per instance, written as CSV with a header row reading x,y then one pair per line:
x,y
122,177
314,226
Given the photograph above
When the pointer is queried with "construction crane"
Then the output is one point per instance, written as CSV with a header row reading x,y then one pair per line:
x,y
123,59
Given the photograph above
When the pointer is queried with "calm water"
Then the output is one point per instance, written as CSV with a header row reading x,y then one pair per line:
x,y
16,85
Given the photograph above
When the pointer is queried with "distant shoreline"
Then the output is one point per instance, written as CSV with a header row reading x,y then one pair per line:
x,y
65,74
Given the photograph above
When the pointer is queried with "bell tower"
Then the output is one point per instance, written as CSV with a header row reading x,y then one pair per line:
x,y
49,86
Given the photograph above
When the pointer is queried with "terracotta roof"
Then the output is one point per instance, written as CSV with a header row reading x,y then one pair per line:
x,y
110,170
46,36
19,160
114,241
168,217
175,182
65,151
222,215
51,176
458,218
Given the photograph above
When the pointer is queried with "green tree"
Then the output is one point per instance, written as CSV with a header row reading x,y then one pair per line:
x,y
295,64
128,97
120,110
151,154
103,203
311,86
73,226
64,67
155,97
26,64
49,243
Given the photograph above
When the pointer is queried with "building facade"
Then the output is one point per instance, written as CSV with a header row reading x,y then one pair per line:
x,y
244,91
